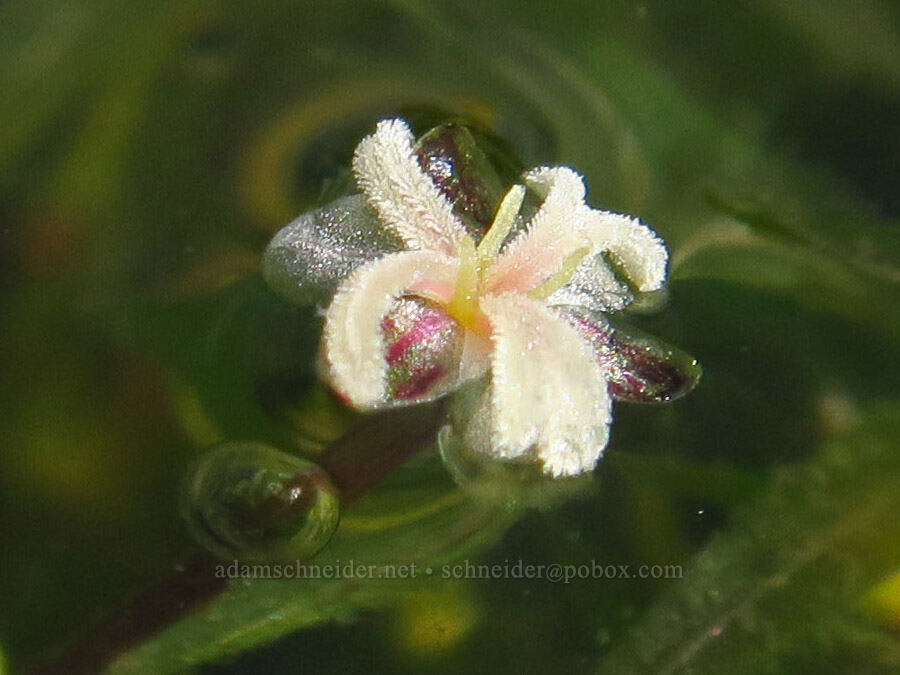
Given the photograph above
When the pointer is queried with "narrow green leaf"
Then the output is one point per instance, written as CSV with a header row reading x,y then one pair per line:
x,y
782,590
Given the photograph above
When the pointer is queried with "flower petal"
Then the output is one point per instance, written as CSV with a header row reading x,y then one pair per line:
x,y
548,395
405,198
308,258
354,338
563,225
640,368
640,252
553,234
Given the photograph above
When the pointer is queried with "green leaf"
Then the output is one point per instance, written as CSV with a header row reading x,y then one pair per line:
x,y
149,152
782,589
418,520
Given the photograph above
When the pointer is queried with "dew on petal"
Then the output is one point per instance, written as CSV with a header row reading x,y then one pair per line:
x,y
308,258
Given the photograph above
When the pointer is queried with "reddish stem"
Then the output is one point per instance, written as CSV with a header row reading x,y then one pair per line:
x,y
373,449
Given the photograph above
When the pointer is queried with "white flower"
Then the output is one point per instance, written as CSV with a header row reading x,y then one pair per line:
x,y
411,325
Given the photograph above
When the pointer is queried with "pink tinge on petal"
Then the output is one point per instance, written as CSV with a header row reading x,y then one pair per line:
x,y
423,347
554,233
526,269
438,291
527,277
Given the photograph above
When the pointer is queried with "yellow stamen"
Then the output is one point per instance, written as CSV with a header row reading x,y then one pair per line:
x,y
464,305
561,278
503,223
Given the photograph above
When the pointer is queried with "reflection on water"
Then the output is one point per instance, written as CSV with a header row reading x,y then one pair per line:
x,y
148,151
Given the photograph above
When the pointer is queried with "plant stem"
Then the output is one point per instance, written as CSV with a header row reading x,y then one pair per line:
x,y
366,455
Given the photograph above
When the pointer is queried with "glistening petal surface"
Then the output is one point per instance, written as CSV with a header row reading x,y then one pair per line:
x,y
423,349
640,252
354,336
548,395
640,368
552,235
307,259
594,286
406,199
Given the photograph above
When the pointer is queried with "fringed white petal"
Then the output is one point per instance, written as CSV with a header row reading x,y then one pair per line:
x,y
641,253
563,225
476,358
354,343
405,198
554,233
548,395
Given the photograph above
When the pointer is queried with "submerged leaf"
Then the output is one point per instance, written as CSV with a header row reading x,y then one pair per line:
x,y
415,520
781,590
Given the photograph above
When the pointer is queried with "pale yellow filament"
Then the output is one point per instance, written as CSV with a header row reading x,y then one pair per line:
x,y
503,223
464,305
475,261
562,277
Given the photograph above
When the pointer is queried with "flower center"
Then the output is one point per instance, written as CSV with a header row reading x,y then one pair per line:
x,y
474,262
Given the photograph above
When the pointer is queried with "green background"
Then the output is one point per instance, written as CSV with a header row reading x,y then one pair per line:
x,y
149,150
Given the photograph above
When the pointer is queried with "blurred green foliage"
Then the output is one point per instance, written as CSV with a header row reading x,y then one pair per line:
x,y
149,150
